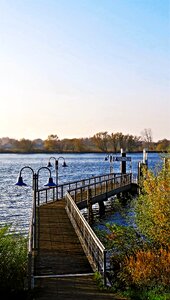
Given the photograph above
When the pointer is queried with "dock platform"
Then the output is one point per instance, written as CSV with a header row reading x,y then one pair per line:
x,y
62,270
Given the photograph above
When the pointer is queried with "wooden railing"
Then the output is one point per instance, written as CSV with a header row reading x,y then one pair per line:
x,y
93,248
97,188
45,195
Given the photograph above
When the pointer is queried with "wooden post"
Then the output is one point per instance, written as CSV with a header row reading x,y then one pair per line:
x,y
166,162
101,208
89,207
145,157
35,181
30,272
104,268
142,166
111,164
123,163
62,194
83,184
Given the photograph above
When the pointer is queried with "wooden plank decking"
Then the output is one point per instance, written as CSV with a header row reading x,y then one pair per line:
x,y
62,269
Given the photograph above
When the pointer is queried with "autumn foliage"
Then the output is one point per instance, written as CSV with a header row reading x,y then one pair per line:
x,y
140,254
150,265
153,206
147,268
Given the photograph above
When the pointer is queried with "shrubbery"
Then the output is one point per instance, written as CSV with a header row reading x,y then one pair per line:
x,y
152,207
140,259
13,260
148,268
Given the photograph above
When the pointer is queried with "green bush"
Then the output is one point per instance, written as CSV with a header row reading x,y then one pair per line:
x,y
152,294
13,260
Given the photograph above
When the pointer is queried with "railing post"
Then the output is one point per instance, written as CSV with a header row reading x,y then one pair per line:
x,y
29,271
35,179
130,177
62,192
114,179
83,184
56,193
111,183
75,196
104,267
95,186
38,198
89,207
46,196
106,187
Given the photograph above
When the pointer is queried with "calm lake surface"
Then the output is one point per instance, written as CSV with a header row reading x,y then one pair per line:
x,y
16,202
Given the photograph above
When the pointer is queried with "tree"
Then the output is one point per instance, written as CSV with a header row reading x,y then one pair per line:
x,y
163,145
25,145
114,140
147,138
101,140
38,145
51,144
119,140
132,142
128,142
78,145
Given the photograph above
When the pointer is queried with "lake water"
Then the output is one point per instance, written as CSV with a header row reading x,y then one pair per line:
x,y
16,202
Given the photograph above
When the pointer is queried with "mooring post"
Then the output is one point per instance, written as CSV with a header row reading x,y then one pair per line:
x,y
123,163
111,164
101,208
142,165
145,157
89,207
166,163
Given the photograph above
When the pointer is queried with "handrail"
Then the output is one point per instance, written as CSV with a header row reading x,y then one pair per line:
x,y
82,180
80,194
94,249
47,194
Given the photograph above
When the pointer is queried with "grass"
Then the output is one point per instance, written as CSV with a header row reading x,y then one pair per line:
x,y
13,261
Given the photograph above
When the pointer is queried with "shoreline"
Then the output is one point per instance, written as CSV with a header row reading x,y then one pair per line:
x,y
78,152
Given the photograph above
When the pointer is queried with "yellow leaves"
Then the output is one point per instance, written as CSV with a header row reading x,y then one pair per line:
x,y
148,266
153,206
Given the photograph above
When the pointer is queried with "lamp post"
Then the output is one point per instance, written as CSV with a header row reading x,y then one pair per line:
x,y
35,176
56,165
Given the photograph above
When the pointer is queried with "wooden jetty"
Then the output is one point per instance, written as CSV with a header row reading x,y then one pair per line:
x,y
64,252
62,270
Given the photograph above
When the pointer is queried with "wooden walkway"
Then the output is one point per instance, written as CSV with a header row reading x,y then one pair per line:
x,y
62,270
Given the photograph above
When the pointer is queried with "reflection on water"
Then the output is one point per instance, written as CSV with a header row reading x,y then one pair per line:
x,y
16,202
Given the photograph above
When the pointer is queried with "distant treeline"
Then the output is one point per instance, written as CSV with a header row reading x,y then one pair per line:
x,y
100,142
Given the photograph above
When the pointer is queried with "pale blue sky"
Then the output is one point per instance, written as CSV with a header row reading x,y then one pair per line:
x,y
77,67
